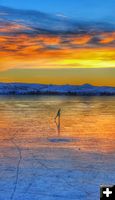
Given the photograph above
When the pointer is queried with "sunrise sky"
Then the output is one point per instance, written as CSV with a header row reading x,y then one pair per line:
x,y
57,42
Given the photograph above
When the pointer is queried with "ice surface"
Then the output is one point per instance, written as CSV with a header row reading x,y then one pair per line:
x,y
37,164
54,173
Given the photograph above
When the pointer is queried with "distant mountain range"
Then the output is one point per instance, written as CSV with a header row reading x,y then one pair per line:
x,y
27,89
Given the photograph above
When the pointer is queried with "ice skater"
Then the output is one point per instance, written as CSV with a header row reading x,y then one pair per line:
x,y
57,120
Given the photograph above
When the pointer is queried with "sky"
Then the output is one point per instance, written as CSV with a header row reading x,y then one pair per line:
x,y
57,42
82,9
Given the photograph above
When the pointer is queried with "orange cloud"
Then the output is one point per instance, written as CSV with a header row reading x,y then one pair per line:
x,y
107,38
48,40
12,27
81,39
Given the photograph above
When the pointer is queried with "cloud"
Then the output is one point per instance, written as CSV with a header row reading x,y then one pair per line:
x,y
107,38
12,27
81,39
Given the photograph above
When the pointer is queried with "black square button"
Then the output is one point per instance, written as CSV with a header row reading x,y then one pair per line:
x,y
107,192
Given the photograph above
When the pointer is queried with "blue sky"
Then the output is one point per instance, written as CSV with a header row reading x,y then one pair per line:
x,y
78,9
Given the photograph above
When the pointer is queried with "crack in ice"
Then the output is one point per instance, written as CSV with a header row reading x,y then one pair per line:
x,y
17,168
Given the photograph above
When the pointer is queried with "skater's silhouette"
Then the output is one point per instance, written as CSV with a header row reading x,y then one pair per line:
x,y
57,121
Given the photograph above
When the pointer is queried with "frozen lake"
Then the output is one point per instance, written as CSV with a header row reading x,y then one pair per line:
x,y
37,163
